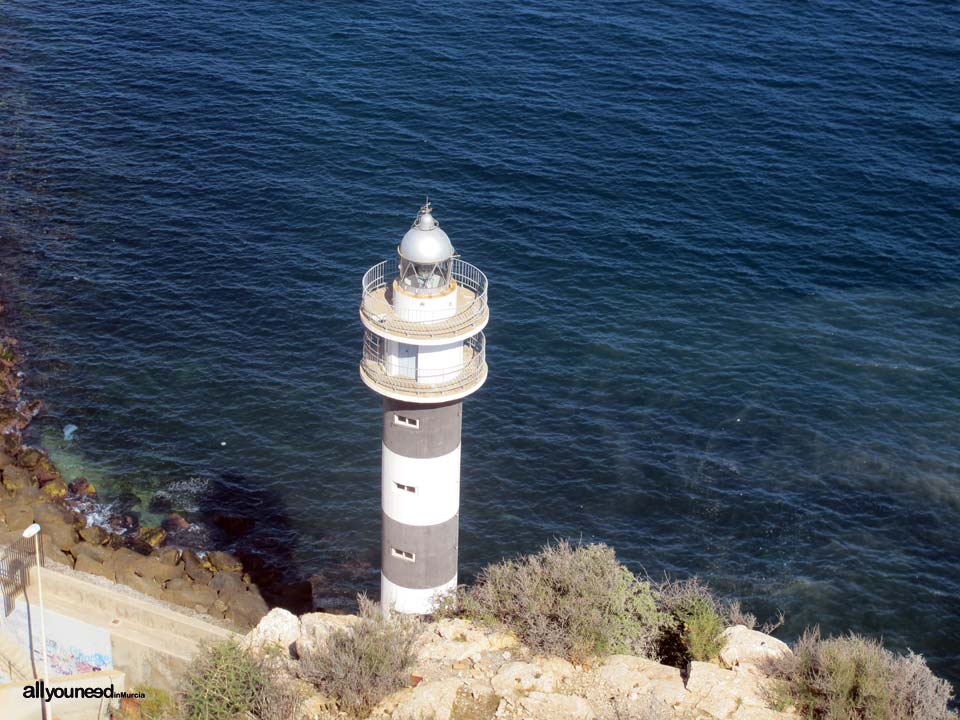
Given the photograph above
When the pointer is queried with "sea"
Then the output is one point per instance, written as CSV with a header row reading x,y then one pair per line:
x,y
722,241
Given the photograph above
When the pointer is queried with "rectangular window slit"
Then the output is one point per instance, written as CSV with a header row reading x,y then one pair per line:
x,y
405,488
405,421
403,555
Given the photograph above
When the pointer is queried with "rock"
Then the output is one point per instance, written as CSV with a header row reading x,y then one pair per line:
x,y
153,567
476,702
744,646
314,628
718,692
224,561
124,522
245,609
82,488
544,706
546,676
18,518
182,592
47,513
152,536
55,489
30,457
626,675
749,712
97,553
278,627
160,503
318,707
428,700
147,586
195,568
450,641
228,583
94,534
62,535
169,555
5,460
174,522
15,477
87,564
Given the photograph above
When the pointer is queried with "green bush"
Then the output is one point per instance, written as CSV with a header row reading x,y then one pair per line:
x,y
695,621
853,677
574,601
225,682
156,704
361,665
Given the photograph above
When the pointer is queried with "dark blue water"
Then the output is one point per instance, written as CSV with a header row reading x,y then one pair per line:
x,y
722,241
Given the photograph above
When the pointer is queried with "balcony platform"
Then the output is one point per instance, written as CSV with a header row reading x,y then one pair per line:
x,y
378,315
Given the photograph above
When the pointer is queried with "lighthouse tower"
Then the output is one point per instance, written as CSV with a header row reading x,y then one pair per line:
x,y
423,352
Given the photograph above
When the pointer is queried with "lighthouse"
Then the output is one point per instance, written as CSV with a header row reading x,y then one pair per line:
x,y
423,353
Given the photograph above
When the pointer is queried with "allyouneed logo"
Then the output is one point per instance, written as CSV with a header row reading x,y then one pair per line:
x,y
39,691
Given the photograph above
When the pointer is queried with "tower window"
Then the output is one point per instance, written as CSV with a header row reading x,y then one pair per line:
x,y
405,421
405,488
403,555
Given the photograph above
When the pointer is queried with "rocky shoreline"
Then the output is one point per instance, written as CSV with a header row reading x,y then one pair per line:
x,y
32,489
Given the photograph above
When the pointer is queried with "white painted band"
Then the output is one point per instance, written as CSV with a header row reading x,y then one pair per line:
x,y
436,484
414,602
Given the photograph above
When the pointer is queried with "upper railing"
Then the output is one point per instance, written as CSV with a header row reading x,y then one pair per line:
x,y
392,376
377,309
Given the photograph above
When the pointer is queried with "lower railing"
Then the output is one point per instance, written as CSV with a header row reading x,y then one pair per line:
x,y
401,375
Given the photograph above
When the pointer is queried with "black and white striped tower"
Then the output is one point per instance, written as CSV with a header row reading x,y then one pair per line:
x,y
423,352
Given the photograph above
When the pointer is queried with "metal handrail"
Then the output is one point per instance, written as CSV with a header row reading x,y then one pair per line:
x,y
428,323
431,383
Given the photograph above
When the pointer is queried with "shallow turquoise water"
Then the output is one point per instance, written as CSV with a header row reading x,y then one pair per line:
x,y
723,250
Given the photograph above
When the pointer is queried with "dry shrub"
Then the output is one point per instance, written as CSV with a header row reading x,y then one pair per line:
x,y
565,600
696,619
855,677
225,682
361,665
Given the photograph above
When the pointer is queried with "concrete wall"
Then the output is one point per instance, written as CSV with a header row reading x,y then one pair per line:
x,y
152,643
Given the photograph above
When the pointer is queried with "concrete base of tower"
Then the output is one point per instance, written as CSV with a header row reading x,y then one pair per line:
x,y
412,601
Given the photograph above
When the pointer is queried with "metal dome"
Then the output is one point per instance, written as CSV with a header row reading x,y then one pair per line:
x,y
425,242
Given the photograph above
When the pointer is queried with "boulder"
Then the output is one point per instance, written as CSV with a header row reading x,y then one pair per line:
x,y
546,676
94,534
147,586
169,555
278,627
5,460
546,706
15,477
46,513
30,457
18,517
62,535
718,693
245,609
228,583
152,536
52,552
314,628
97,553
454,640
183,592
195,568
627,675
744,646
87,564
224,561
160,571
55,489
428,700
